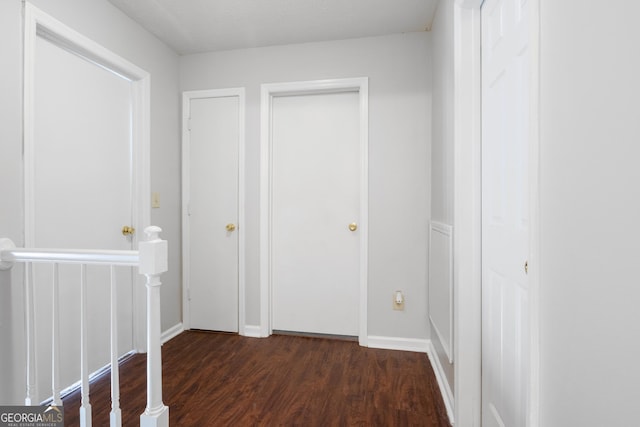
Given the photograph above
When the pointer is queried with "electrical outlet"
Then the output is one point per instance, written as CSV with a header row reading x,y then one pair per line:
x,y
398,301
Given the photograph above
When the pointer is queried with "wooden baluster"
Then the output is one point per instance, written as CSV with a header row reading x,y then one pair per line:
x,y
116,415
85,406
55,337
30,398
153,262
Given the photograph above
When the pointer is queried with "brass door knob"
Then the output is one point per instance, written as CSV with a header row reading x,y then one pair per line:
x,y
128,231
353,226
231,227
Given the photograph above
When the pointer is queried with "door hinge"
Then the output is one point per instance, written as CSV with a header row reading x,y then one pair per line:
x,y
189,123
188,294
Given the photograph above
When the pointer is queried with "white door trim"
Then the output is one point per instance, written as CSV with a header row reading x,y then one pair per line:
x,y
268,92
467,213
187,96
39,24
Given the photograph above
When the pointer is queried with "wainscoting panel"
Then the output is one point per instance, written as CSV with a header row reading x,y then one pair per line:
x,y
441,284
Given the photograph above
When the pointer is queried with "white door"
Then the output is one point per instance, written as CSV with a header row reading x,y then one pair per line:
x,y
213,146
82,191
505,212
315,198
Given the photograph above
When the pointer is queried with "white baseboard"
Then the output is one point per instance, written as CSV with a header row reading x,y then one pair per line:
x,y
92,377
172,332
394,343
253,331
443,384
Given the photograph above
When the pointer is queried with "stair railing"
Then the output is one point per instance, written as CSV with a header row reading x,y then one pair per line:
x,y
151,259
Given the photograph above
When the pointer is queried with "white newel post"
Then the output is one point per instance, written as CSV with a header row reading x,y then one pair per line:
x,y
153,262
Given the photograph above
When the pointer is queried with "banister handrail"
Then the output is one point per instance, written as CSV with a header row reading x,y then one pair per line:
x,y
151,258
71,256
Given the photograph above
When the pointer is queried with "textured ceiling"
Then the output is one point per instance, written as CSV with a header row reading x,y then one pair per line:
x,y
191,26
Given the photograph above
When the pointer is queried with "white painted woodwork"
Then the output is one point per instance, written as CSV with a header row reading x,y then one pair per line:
x,y
152,260
85,404
77,256
31,391
315,196
130,41
82,191
55,338
467,214
211,198
505,213
80,99
442,172
441,284
441,378
115,416
268,93
82,152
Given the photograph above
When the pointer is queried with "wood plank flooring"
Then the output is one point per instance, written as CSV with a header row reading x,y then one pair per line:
x,y
215,379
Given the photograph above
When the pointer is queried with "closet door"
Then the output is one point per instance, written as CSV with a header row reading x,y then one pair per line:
x,y
211,250
315,211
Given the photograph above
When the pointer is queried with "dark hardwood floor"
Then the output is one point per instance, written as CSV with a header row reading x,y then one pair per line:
x,y
215,379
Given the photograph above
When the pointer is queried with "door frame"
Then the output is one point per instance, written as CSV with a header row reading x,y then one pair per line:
x,y
467,213
39,24
268,92
187,97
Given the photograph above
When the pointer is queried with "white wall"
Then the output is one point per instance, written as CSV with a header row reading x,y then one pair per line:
x,y
442,142
590,208
100,21
399,128
10,194
442,130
